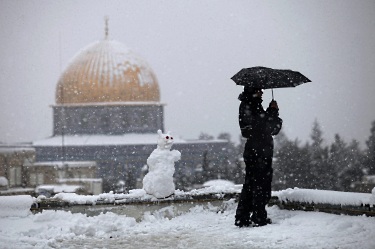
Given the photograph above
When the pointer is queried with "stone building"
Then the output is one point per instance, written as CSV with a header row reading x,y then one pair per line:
x,y
12,160
108,110
70,173
20,174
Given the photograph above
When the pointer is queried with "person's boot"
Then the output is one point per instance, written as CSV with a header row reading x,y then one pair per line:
x,y
260,223
259,218
242,217
242,222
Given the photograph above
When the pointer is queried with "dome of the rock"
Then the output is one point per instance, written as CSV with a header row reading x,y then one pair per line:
x,y
107,71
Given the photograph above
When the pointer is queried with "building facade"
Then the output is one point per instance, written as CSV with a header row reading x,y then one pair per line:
x,y
20,174
12,164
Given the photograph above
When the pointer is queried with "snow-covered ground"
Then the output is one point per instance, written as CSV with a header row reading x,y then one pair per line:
x,y
200,227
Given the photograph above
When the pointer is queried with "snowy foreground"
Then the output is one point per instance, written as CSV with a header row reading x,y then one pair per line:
x,y
203,226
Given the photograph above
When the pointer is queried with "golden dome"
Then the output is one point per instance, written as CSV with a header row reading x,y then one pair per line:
x,y
107,71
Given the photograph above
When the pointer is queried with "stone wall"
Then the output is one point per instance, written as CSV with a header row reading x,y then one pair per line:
x,y
107,119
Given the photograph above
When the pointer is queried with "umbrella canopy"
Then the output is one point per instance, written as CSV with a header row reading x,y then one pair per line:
x,y
266,78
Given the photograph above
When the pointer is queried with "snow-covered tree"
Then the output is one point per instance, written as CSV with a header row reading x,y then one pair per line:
x,y
338,160
291,163
370,151
320,170
205,136
352,171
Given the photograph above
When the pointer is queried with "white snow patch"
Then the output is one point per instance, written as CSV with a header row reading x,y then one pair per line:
x,y
218,183
126,139
201,227
96,140
325,196
15,206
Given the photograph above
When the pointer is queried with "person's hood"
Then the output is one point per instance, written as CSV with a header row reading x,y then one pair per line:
x,y
249,97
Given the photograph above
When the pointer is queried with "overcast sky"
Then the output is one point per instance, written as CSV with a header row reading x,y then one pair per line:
x,y
195,47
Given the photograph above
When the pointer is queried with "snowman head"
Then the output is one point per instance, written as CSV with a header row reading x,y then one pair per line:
x,y
165,141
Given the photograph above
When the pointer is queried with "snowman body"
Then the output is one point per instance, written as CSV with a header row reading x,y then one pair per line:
x,y
159,179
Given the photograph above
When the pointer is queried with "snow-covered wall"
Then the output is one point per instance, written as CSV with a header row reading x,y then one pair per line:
x,y
20,205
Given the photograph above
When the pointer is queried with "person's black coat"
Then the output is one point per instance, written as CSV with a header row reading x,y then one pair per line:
x,y
257,124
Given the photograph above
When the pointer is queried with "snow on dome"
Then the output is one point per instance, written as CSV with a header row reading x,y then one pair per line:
x,y
107,71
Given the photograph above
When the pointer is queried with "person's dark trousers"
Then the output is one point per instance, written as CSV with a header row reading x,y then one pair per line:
x,y
245,203
261,193
256,191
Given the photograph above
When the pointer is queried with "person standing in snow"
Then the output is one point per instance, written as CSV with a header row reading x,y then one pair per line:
x,y
258,126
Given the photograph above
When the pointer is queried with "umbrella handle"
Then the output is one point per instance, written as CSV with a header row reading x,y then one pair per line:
x,y
272,93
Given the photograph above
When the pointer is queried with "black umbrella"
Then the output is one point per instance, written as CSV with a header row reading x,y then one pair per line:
x,y
268,78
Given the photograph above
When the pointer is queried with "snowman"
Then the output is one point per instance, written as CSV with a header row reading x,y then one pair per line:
x,y
159,179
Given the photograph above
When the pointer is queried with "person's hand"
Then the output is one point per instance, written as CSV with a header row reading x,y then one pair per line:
x,y
273,104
